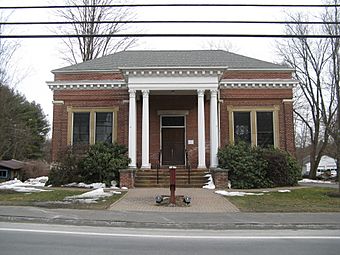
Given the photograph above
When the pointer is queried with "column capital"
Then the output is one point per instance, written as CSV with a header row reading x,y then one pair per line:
x,y
200,92
132,93
145,93
213,92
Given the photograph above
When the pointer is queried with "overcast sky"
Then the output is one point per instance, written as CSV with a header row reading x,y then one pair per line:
x,y
37,57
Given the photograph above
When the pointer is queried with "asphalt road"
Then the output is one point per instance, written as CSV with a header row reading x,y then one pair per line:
x,y
38,239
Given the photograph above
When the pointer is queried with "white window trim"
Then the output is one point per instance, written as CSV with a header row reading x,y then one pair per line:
x,y
253,124
92,125
7,172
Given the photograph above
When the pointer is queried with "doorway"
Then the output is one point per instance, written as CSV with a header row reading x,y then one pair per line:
x,y
173,140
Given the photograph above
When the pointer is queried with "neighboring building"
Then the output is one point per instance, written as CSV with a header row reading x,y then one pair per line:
x,y
10,169
326,164
164,103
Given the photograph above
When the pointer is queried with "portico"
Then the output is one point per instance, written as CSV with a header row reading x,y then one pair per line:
x,y
177,85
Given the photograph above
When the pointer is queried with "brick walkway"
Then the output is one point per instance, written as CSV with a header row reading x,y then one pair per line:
x,y
202,201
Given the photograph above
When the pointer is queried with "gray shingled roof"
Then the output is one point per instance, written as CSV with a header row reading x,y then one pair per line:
x,y
12,164
171,59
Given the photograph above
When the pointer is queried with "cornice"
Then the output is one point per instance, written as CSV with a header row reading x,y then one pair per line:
x,y
79,85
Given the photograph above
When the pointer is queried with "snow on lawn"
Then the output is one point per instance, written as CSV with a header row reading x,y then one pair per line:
x,y
91,196
283,190
210,184
30,185
236,193
96,185
314,181
242,194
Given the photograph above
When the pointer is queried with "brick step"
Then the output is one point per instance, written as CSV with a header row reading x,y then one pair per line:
x,y
148,178
163,178
160,185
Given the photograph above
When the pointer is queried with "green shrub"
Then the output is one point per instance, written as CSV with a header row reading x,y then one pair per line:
x,y
255,167
103,161
66,169
247,169
282,169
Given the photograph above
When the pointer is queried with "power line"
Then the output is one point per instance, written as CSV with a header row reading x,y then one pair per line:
x,y
168,21
169,5
169,35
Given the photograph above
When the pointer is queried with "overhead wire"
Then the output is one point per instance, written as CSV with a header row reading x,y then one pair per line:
x,y
169,5
18,23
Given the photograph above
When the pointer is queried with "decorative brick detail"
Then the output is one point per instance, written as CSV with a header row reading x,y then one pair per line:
x,y
257,75
87,76
127,178
220,177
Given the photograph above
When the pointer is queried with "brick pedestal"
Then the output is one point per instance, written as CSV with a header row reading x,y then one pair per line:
x,y
127,178
220,177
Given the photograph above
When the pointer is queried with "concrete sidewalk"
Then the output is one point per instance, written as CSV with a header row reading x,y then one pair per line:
x,y
174,220
203,201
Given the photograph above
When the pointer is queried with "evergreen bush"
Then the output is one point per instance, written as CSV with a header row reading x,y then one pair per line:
x,y
256,167
66,169
247,169
103,161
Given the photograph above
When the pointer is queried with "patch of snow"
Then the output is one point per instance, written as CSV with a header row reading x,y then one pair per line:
x,y
97,193
30,185
236,193
37,182
210,184
283,190
314,181
91,196
96,185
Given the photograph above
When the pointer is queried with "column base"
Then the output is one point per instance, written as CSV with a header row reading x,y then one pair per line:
x,y
147,166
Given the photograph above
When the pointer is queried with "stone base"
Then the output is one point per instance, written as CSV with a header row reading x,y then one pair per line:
x,y
220,177
127,178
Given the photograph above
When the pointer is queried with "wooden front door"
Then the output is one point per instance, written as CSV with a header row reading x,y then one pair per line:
x,y
173,146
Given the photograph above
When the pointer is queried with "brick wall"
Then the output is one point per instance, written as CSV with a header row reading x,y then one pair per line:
x,y
87,98
119,98
185,103
257,75
263,97
87,76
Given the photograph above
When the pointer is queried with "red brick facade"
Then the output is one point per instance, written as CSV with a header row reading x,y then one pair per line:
x,y
119,97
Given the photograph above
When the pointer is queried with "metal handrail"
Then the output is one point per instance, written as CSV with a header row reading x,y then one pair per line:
x,y
188,165
159,164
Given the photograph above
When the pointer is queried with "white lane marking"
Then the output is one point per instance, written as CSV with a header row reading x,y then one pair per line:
x,y
165,236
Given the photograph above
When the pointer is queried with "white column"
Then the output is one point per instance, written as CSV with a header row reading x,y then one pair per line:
x,y
213,129
145,130
201,130
132,128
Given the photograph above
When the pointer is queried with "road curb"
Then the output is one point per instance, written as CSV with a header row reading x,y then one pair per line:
x,y
170,225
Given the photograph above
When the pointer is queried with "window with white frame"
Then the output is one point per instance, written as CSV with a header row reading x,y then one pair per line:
x,y
91,126
3,173
254,126
81,128
104,125
264,129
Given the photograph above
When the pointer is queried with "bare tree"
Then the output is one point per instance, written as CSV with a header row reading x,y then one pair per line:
x,y
333,14
220,45
86,48
310,58
7,49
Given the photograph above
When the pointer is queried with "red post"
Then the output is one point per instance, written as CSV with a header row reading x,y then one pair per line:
x,y
172,170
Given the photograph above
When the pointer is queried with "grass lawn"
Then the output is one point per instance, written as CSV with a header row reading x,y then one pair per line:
x,y
298,200
53,198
